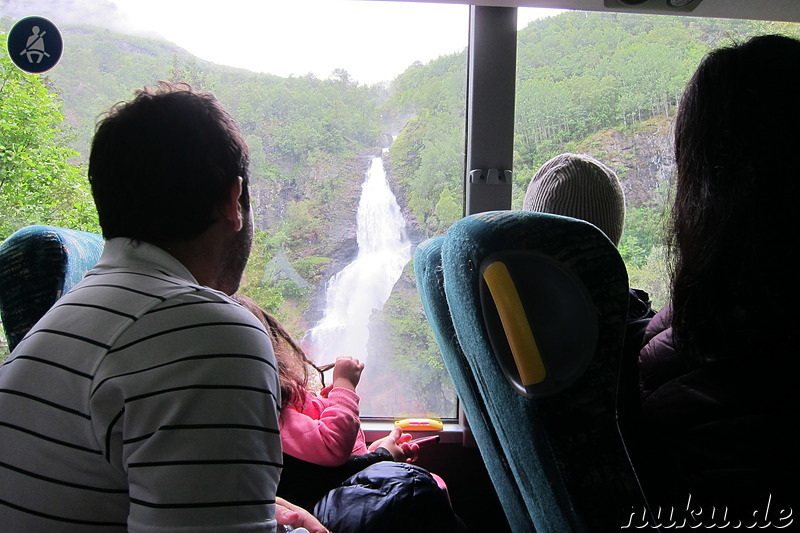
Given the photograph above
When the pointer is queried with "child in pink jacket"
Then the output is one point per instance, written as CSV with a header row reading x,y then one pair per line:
x,y
326,429
323,443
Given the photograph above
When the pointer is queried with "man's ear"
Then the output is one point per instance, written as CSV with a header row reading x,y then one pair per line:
x,y
232,209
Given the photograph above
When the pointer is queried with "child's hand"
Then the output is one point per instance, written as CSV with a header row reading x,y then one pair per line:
x,y
397,444
347,373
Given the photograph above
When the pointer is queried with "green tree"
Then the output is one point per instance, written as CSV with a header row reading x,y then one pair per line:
x,y
447,211
38,184
643,228
189,72
653,277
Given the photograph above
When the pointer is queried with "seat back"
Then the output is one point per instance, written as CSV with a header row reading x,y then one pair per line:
x,y
430,283
38,264
538,304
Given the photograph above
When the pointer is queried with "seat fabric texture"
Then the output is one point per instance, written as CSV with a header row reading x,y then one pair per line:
x,y
39,264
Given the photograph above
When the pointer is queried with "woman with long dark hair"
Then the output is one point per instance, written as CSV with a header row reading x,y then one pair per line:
x,y
719,365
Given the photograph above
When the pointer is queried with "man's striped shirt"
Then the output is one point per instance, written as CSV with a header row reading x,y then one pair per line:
x,y
141,401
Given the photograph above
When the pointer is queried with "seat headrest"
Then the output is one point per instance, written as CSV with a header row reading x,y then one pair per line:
x,y
38,264
539,280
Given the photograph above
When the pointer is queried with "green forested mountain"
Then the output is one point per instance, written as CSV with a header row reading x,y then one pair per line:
x,y
578,74
306,137
603,84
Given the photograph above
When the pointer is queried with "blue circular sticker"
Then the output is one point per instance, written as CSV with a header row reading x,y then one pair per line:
x,y
35,44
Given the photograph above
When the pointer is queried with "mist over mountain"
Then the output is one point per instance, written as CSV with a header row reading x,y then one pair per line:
x,y
98,13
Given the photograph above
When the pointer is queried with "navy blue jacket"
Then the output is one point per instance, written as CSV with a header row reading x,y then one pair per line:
x,y
388,497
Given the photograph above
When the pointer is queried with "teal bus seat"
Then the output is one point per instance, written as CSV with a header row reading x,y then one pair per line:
x,y
529,311
38,264
428,271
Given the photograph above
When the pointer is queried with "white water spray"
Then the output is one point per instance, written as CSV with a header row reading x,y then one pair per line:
x,y
364,285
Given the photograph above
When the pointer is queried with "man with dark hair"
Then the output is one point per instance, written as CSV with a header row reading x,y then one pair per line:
x,y
146,399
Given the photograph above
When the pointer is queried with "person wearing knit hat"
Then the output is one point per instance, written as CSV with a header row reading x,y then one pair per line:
x,y
579,186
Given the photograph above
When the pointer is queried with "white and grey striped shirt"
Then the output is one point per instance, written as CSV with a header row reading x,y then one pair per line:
x,y
141,401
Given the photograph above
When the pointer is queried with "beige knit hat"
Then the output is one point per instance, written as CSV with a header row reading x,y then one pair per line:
x,y
579,186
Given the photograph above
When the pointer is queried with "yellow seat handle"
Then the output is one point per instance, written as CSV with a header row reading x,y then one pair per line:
x,y
515,324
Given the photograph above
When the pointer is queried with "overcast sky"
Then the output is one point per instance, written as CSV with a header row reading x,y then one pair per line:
x,y
373,41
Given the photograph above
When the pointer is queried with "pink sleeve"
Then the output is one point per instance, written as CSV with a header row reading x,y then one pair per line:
x,y
327,430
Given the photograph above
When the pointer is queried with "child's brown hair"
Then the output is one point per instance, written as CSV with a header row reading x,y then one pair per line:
x,y
293,364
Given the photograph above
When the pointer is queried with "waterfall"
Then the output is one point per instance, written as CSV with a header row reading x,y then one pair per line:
x,y
364,285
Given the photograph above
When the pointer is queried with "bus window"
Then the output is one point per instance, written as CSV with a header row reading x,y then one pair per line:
x,y
356,132
607,85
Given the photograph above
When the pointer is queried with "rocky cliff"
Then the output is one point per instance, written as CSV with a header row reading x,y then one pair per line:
x,y
642,157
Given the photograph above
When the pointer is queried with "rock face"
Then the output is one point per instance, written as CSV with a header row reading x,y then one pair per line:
x,y
331,191
643,159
